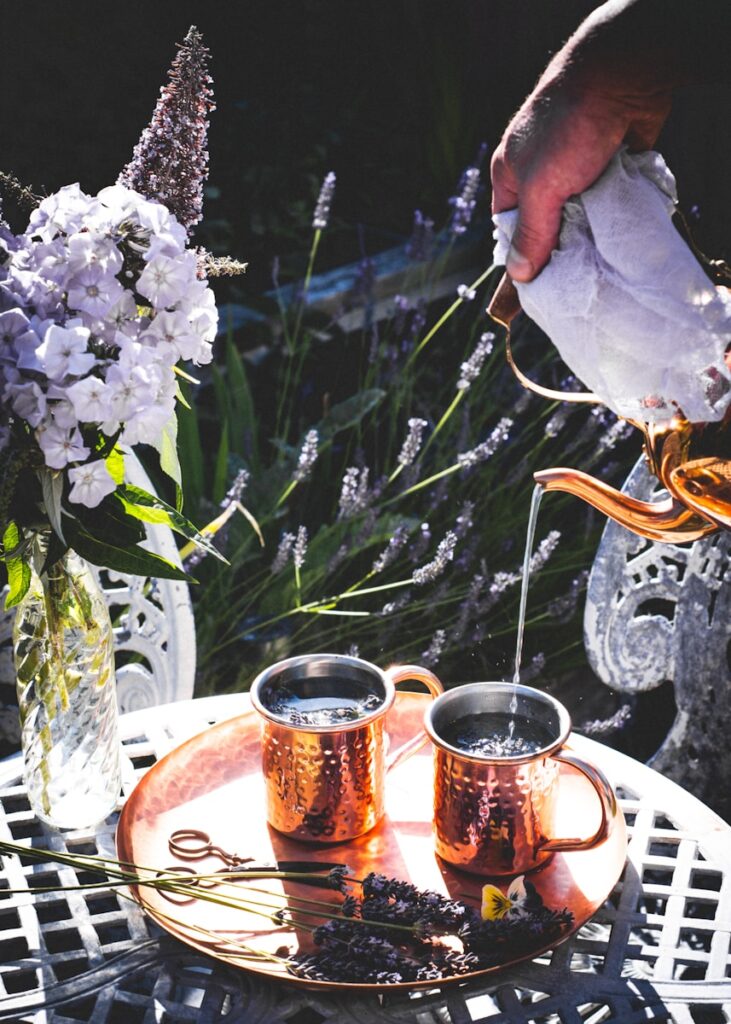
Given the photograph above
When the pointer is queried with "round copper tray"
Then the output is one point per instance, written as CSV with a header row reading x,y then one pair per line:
x,y
213,783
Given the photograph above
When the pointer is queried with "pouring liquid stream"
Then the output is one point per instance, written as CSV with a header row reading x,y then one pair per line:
x,y
532,520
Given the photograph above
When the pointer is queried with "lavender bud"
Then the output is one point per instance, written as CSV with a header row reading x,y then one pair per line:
x,y
321,215
299,548
353,493
412,443
434,651
488,448
283,552
545,549
391,551
470,369
466,293
307,456
600,727
432,570
421,243
464,203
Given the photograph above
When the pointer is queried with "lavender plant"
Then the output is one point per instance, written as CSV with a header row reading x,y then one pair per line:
x,y
394,514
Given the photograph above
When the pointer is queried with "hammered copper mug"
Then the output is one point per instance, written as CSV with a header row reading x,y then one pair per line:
x,y
326,783
495,815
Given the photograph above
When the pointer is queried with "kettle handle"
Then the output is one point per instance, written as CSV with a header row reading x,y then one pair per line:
x,y
504,307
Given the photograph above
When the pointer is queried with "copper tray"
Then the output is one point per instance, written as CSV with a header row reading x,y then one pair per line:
x,y
213,783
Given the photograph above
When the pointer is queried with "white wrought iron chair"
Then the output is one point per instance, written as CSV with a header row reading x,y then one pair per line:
x,y
154,633
657,612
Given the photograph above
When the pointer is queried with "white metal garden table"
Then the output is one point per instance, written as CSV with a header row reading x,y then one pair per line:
x,y
658,950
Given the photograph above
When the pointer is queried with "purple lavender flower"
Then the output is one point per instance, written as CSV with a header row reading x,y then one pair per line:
x,y
353,492
432,570
464,203
299,548
434,651
470,368
283,553
420,245
391,551
307,456
483,451
170,162
321,215
412,442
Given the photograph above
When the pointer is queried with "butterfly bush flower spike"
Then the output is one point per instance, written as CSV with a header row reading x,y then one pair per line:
x,y
170,162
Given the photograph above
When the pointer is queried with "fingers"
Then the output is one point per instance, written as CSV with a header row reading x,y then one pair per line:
x,y
536,235
539,216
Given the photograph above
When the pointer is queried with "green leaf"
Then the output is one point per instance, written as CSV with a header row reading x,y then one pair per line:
x,y
220,473
151,509
52,487
55,550
18,568
132,560
180,395
190,453
108,520
242,416
349,413
167,446
115,464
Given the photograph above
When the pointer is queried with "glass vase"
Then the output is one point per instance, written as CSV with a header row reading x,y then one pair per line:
x,y
64,662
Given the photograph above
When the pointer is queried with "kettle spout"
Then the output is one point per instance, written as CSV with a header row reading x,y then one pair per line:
x,y
666,520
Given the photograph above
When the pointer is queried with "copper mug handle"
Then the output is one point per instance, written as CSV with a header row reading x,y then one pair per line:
x,y
399,674
607,802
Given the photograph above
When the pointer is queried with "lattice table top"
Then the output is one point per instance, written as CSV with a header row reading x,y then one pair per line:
x,y
658,950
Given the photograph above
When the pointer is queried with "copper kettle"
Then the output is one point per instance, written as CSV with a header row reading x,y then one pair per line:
x,y
691,460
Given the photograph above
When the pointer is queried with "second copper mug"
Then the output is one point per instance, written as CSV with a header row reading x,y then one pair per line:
x,y
495,815
326,782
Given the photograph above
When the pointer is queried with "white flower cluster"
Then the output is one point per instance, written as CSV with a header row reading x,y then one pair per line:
x,y
99,299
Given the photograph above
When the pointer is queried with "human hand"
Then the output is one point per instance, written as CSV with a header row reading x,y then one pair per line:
x,y
596,94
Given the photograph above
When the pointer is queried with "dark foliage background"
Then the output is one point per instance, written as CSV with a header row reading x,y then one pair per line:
x,y
394,95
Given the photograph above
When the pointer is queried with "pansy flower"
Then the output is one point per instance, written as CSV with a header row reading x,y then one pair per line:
x,y
497,904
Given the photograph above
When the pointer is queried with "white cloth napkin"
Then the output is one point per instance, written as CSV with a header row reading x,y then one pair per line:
x,y
626,302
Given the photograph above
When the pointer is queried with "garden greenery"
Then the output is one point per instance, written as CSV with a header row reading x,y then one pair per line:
x,y
385,475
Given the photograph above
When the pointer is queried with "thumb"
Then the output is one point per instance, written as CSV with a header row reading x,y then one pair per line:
x,y
535,237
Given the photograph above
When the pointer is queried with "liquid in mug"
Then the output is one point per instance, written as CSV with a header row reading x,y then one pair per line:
x,y
497,734
325,700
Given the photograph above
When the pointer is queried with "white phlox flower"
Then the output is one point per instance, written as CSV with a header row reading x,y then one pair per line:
x,y
63,351
28,401
174,328
90,399
129,392
90,483
164,280
94,291
60,447
90,249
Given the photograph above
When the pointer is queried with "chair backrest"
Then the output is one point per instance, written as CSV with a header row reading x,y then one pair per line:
x,y
154,633
657,612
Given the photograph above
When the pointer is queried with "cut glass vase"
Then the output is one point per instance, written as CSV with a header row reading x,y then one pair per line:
x,y
64,661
